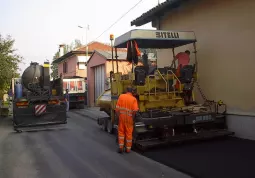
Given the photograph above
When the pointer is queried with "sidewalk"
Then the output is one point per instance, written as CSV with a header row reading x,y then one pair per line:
x,y
92,112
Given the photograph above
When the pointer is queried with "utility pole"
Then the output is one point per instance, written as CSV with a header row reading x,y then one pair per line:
x,y
112,38
87,48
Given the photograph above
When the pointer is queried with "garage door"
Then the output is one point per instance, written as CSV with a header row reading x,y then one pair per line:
x,y
99,80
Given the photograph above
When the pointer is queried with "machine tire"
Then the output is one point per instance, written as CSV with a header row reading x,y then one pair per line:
x,y
104,125
17,130
77,106
109,126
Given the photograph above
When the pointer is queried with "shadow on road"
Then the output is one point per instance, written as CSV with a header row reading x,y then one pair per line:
x,y
7,126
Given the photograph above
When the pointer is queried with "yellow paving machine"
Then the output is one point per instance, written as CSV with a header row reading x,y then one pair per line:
x,y
168,113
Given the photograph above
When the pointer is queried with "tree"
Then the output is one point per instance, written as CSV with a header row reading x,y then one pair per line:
x,y
9,62
77,43
67,48
147,51
54,67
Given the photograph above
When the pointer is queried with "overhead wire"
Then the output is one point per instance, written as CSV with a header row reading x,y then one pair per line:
x,y
118,19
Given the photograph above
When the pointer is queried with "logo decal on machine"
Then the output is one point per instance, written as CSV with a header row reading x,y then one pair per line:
x,y
203,118
40,109
167,35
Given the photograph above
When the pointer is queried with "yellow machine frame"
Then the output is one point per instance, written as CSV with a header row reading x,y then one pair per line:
x,y
163,113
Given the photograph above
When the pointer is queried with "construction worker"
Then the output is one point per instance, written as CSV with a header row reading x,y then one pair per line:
x,y
67,100
126,108
183,59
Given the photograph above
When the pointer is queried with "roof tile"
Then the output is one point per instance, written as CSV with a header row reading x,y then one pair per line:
x,y
108,54
97,46
155,11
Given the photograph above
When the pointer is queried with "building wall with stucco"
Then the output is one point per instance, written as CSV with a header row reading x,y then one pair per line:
x,y
225,34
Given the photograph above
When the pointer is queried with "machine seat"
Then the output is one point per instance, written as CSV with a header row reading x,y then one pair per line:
x,y
140,75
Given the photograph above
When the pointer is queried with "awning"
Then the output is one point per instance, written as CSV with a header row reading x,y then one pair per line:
x,y
156,38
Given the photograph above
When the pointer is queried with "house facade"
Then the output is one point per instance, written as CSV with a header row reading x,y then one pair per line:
x,y
73,63
224,31
99,67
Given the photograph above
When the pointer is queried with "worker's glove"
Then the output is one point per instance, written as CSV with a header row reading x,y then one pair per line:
x,y
136,117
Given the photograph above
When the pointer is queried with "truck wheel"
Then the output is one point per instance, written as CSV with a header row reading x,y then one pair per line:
x,y
81,106
109,127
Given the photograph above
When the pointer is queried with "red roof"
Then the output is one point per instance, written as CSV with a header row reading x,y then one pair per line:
x,y
91,47
98,46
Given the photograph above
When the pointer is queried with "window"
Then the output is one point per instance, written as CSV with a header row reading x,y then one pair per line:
x,y
79,85
65,67
72,86
65,86
81,66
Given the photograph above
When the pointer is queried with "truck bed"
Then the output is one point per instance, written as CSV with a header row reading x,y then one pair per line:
x,y
25,117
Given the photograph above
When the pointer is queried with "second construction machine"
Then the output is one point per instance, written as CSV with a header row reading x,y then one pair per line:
x,y
168,112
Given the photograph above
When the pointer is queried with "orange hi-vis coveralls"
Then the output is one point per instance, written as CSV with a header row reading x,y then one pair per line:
x,y
126,107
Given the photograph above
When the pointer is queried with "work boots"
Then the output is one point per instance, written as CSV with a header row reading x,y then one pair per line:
x,y
120,150
127,150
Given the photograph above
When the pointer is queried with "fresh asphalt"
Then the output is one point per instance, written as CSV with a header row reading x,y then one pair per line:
x,y
221,158
79,150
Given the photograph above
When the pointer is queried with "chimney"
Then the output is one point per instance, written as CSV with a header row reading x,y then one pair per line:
x,y
61,50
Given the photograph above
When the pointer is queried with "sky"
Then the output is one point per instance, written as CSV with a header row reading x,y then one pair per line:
x,y
39,26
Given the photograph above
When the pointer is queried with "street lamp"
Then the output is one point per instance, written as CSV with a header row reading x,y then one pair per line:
x,y
87,28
